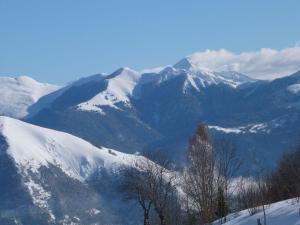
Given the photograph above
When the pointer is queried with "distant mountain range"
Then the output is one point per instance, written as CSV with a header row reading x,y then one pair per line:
x,y
135,112
46,174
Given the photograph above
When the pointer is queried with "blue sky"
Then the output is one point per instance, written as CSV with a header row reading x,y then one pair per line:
x,y
60,40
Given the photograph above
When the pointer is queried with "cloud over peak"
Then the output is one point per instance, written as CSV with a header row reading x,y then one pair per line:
x,y
263,64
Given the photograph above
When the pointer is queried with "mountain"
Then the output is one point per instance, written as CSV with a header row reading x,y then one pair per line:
x,y
98,111
17,94
207,76
263,119
116,110
132,111
135,112
119,87
50,177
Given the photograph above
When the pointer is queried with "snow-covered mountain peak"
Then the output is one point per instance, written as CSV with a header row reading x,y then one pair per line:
x,y
203,76
188,65
184,64
120,86
26,83
125,83
18,93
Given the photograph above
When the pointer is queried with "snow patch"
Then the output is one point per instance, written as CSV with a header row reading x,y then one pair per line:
x,y
227,130
93,212
39,195
261,127
251,128
294,88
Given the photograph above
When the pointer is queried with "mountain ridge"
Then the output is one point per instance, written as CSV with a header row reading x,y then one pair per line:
x,y
19,93
136,112
62,179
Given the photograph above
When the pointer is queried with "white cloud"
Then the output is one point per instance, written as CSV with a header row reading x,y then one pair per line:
x,y
263,64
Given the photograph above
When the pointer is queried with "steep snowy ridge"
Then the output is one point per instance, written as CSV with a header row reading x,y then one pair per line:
x,y
17,94
198,75
120,86
65,180
32,147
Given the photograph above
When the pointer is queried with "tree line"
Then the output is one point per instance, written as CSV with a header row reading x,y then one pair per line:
x,y
203,190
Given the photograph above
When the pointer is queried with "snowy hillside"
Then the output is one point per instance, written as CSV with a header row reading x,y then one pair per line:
x,y
119,88
32,147
17,94
40,166
280,213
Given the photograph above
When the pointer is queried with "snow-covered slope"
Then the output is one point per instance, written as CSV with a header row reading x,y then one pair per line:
x,y
32,147
280,213
202,76
17,94
119,88
61,178
126,83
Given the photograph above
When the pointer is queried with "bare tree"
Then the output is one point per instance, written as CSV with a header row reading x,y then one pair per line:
x,y
253,194
227,165
134,188
162,184
260,178
151,183
199,175
248,196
